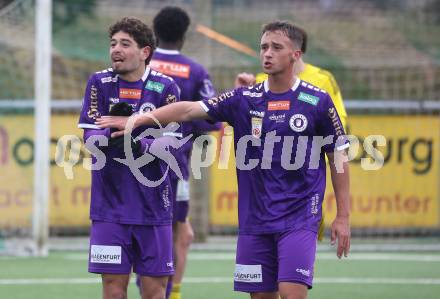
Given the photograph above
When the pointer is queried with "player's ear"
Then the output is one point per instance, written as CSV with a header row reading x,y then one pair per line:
x,y
146,52
296,55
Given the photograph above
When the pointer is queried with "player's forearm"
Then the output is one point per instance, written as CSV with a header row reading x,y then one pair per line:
x,y
176,112
341,186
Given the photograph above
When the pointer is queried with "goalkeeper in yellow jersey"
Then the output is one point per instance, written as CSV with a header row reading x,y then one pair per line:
x,y
320,78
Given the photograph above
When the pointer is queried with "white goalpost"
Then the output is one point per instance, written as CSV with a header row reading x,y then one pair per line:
x,y
42,87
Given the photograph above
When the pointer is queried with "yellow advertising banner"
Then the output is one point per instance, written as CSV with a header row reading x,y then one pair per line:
x,y
401,193
70,198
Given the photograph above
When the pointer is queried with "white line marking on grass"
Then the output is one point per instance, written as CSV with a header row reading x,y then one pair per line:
x,y
195,280
399,257
377,280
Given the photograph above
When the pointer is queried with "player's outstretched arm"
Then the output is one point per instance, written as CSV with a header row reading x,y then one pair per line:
x,y
176,112
340,229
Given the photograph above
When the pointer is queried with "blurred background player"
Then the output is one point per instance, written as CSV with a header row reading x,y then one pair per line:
x,y
131,223
320,78
170,26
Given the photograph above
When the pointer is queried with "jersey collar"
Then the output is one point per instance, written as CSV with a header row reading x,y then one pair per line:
x,y
146,73
294,87
167,52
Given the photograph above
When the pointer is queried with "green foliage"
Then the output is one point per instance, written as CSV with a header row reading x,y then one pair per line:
x,y
66,12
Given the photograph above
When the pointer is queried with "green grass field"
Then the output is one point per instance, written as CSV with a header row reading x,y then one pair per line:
x,y
209,276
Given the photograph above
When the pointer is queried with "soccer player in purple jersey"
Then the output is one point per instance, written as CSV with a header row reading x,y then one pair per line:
x,y
131,222
279,203
170,26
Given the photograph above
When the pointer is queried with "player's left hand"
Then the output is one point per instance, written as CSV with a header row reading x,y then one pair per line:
x,y
116,122
244,79
341,232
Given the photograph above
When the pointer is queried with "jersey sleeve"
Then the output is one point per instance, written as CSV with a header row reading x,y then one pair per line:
x,y
332,87
223,107
330,125
205,88
93,106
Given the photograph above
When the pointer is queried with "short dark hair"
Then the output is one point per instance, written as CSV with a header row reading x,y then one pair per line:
x,y
171,24
296,34
139,31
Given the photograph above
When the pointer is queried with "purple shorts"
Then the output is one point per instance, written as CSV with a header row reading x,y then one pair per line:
x,y
117,248
265,260
180,200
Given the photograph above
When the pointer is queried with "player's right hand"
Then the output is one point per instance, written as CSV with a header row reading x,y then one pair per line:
x,y
341,232
244,79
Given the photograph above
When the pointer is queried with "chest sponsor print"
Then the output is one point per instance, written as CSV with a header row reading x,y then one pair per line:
x,y
278,105
278,118
171,68
130,93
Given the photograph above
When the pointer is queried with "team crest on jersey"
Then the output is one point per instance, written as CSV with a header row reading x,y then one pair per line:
x,y
171,99
146,107
298,122
257,126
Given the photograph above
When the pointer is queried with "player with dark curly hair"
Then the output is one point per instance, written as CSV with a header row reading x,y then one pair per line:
x,y
131,222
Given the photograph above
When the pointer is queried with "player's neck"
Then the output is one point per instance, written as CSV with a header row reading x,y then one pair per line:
x,y
133,76
170,46
298,67
281,82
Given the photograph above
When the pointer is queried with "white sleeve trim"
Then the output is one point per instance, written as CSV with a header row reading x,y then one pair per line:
x,y
89,126
173,134
343,147
204,106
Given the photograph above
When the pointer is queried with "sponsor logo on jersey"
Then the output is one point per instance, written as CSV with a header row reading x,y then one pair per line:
x,y
252,94
337,125
173,69
103,254
154,86
146,107
278,105
278,118
248,273
303,272
257,126
166,198
171,99
130,93
257,113
114,100
214,101
109,79
308,98
93,112
314,204
298,122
